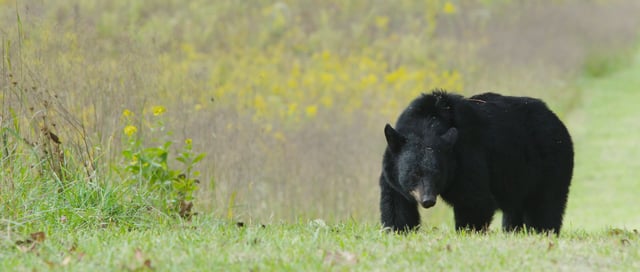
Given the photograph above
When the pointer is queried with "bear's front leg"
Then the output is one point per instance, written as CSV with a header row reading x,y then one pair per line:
x,y
398,213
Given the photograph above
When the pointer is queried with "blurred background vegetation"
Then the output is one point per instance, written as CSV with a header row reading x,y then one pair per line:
x,y
287,99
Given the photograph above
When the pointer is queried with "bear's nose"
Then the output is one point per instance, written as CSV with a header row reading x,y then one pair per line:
x,y
428,201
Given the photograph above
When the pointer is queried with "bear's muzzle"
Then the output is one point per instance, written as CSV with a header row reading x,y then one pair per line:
x,y
426,200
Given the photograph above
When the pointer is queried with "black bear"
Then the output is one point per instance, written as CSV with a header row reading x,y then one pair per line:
x,y
479,154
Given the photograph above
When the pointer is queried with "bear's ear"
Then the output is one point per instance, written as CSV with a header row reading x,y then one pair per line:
x,y
443,106
451,136
395,140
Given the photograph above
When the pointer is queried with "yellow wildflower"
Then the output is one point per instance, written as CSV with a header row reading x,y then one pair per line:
x,y
260,104
382,22
130,130
188,141
279,136
311,111
158,110
449,8
326,55
326,101
291,109
127,113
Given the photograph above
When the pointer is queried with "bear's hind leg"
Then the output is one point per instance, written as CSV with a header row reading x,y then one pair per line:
x,y
398,213
544,214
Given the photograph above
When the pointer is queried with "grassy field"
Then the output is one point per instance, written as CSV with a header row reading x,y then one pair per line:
x,y
210,245
232,136
600,231
605,130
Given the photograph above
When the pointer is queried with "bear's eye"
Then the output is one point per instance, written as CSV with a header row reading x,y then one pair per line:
x,y
416,176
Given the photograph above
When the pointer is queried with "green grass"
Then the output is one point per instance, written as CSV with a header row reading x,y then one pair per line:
x,y
210,245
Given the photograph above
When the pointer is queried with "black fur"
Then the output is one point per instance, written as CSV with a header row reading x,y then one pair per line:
x,y
479,154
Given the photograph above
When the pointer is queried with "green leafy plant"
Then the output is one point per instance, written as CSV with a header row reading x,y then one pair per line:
x,y
148,168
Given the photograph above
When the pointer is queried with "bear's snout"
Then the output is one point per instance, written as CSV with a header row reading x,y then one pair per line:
x,y
427,201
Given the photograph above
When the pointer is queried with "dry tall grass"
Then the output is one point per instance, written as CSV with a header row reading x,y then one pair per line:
x,y
288,99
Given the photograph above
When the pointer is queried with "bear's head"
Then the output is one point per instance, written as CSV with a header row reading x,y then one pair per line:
x,y
421,165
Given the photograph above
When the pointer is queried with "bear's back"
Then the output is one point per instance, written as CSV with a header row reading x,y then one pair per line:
x,y
522,139
516,121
